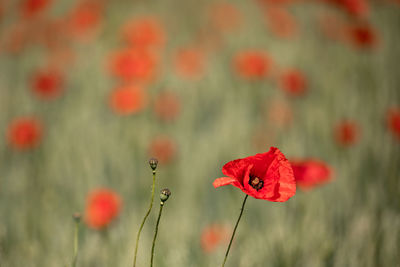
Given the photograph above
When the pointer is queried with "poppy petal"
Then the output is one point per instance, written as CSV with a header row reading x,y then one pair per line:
x,y
236,168
226,181
281,181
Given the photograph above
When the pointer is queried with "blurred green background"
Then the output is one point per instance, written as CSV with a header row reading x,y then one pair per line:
x,y
352,221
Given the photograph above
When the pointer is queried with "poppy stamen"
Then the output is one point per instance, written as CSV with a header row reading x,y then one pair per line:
x,y
256,183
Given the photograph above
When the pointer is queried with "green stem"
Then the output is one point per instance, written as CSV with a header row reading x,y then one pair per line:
x,y
145,218
76,244
155,233
234,230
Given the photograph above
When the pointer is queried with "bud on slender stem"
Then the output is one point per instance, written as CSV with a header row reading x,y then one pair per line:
x,y
164,195
153,162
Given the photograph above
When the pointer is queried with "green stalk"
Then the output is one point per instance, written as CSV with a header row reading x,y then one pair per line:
x,y
145,218
77,218
234,230
155,233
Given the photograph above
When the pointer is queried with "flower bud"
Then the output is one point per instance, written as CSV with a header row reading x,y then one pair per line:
x,y
153,163
77,217
164,195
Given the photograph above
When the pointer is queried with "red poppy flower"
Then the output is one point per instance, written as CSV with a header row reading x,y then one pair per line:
x,y
310,173
393,121
133,65
163,148
85,19
362,36
102,206
347,133
145,32
128,100
225,17
167,106
214,235
32,8
190,63
281,22
293,82
267,176
252,64
47,84
24,133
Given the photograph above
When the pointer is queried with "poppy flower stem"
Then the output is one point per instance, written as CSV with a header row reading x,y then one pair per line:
x,y
234,230
164,195
145,217
77,218
155,233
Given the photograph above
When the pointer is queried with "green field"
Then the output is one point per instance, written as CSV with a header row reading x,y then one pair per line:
x,y
354,220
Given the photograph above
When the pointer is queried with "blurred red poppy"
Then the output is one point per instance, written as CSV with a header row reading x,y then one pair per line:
x,y
84,19
31,8
144,32
332,27
15,37
167,106
281,22
61,57
293,82
102,207
263,137
267,176
252,64
362,36
163,148
357,8
225,16
207,40
128,100
48,32
267,3
47,84
190,63
133,65
24,133
310,173
279,113
347,133
393,121
213,236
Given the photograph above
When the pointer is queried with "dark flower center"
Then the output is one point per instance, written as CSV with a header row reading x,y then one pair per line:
x,y
256,183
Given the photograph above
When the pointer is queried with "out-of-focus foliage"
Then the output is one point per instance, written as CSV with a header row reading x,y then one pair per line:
x,y
90,90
